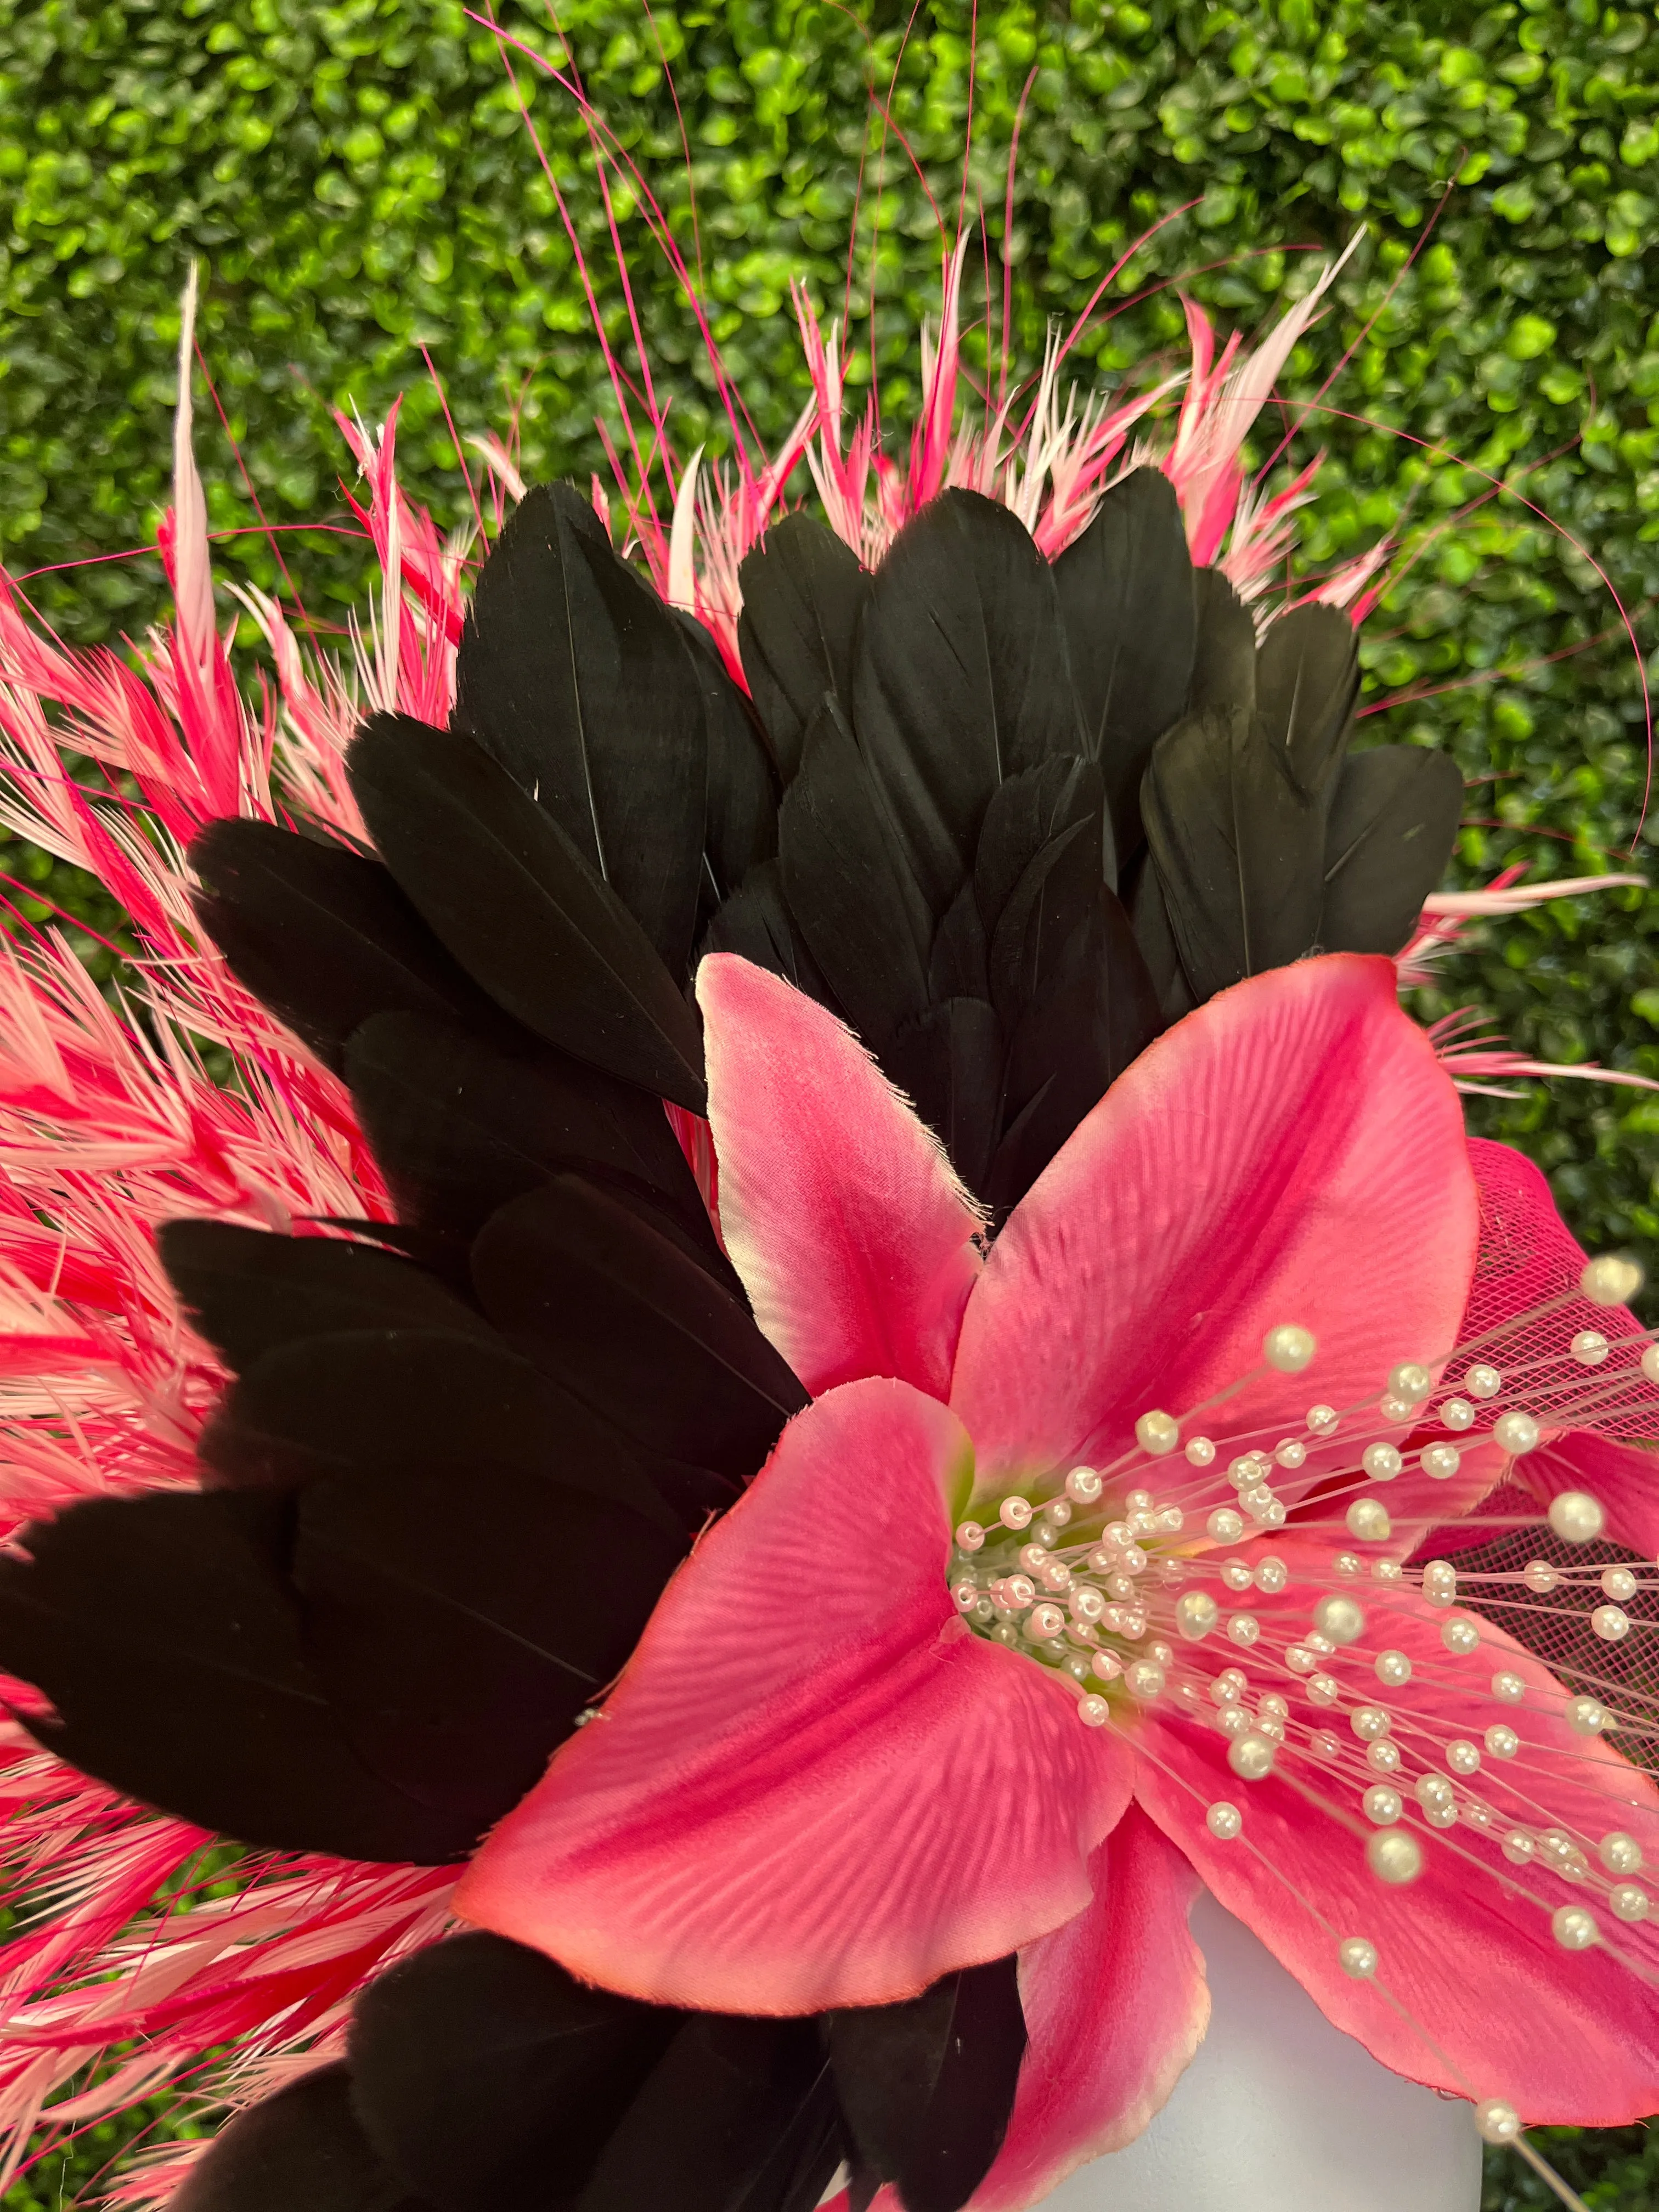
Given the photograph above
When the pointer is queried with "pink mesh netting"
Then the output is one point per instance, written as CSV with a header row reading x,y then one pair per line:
x,y
1528,1256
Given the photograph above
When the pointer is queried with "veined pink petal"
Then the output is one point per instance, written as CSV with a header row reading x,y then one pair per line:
x,y
1469,1968
839,1208
812,1787
1115,2005
1289,1152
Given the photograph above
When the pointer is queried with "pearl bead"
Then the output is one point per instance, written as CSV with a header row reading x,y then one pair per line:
x,y
1573,1927
1432,1789
1496,2121
1508,1686
1515,1432
1144,1680
1324,1689
1394,1855
1368,1519
1395,1409
1230,1686
1440,1582
1224,1525
1015,1512
1271,1575
1611,1281
1440,1461
1358,1957
1238,1574
970,1537
1519,1848
1233,1720
1093,1711
1288,1348
1383,1757
1462,1757
1273,1703
965,1596
1324,1745
1106,1667
1085,1603
1381,1461
1077,1666
1562,1855
1483,1382
1387,1571
1576,1516
1200,1452
1243,1628
1138,1501
1196,1614
1650,1362
1300,1659
1620,1853
1084,1485
1344,1562
1611,1623
1251,1756
1339,1617
1044,1622
1629,1901
1223,1821
1459,1635
1457,1414
1502,1740
1540,1577
1156,1433
1394,1668
1618,1583
1369,1722
1033,1558
1586,1715
1291,1453
1322,1421
1383,1806
1057,1513
1589,1347
1412,1380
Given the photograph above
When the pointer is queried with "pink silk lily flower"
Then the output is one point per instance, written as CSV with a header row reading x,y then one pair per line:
x,y
834,1770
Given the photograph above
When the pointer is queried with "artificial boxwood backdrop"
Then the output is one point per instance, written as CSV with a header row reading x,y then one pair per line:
x,y
370,188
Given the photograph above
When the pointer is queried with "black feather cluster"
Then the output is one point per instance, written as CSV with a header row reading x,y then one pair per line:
x,y
1007,818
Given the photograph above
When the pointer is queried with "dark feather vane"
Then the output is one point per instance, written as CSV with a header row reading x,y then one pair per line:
x,y
803,594
511,896
301,2150
1393,824
573,675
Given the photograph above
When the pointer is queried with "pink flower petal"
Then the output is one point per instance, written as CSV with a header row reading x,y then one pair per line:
x,y
1289,1152
812,1787
1466,1950
839,1208
1115,2005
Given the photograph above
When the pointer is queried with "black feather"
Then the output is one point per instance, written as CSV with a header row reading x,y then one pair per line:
x,y
1097,1012
1126,597
1239,849
803,593
738,2116
460,1617
740,827
322,936
1307,672
950,1064
958,966
371,1403
1038,875
573,674
619,1316
301,2150
458,1126
1392,827
1224,661
1150,917
489,2080
248,1291
758,924
165,1633
960,679
926,2087
861,917
513,898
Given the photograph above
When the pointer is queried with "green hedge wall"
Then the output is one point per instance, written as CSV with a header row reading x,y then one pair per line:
x,y
361,182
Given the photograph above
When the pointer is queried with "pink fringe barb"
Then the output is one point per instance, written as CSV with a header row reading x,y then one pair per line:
x,y
110,1123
